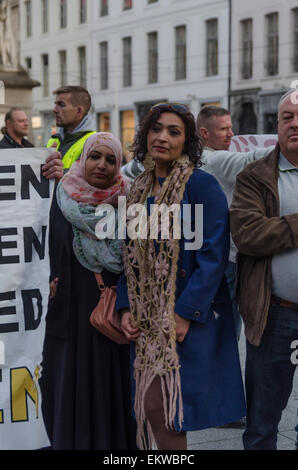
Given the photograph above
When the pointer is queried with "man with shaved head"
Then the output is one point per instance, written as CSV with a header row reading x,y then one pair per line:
x,y
214,125
71,111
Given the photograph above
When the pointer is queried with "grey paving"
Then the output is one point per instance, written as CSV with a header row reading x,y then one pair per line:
x,y
231,439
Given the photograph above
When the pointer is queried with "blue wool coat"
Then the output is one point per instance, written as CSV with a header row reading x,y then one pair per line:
x,y
211,380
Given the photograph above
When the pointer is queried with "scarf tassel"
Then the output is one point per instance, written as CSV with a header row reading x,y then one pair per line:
x,y
172,399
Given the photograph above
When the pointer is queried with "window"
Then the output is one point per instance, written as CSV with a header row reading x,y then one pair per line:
x,y
180,41
247,119
152,1
104,66
28,63
82,66
272,44
63,14
28,13
127,61
45,16
83,11
63,68
152,57
103,122
295,40
127,4
247,48
104,8
127,120
270,123
212,47
45,74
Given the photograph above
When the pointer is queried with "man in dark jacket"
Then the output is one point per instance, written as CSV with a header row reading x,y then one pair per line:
x,y
264,225
15,130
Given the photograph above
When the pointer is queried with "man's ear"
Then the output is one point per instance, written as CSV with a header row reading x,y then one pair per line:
x,y
80,110
204,133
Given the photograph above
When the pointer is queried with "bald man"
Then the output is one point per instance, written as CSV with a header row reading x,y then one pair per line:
x,y
15,130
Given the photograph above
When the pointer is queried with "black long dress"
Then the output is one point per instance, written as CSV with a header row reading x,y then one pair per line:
x,y
85,381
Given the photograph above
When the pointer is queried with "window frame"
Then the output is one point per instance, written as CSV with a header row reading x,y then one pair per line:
x,y
211,47
127,5
83,11
272,50
82,66
181,52
247,48
152,48
104,8
127,61
63,14
104,65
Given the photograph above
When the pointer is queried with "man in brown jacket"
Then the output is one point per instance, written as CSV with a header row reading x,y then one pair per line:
x,y
264,226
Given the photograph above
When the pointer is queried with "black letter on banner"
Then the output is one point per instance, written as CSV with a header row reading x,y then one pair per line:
x,y
7,182
30,239
8,327
31,323
28,176
6,245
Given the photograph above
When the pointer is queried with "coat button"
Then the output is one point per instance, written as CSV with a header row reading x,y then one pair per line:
x,y
197,314
182,273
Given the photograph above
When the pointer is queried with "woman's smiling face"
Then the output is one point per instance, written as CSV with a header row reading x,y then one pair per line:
x,y
101,168
166,138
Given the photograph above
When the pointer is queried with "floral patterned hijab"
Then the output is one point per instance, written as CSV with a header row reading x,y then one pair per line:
x,y
78,202
76,186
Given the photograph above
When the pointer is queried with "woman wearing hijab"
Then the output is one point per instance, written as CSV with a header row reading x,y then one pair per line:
x,y
85,377
173,298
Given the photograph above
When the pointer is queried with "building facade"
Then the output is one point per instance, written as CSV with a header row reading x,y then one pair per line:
x,y
130,54
15,84
264,61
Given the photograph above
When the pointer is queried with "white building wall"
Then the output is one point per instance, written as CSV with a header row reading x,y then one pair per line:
x,y
267,89
257,10
162,16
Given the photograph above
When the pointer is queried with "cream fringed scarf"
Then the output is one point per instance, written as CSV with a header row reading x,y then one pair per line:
x,y
151,279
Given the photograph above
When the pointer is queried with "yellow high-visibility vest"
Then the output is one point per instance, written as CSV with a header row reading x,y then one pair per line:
x,y
75,150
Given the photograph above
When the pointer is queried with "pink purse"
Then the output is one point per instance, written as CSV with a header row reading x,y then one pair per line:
x,y
104,317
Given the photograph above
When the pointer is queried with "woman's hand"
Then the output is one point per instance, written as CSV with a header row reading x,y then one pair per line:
x,y
182,327
53,287
130,332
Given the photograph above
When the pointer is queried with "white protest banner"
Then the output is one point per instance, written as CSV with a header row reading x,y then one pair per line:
x,y
25,199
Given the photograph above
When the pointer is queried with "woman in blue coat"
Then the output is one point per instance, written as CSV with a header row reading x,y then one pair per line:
x,y
173,298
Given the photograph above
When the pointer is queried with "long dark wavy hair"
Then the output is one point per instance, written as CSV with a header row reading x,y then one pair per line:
x,y
192,145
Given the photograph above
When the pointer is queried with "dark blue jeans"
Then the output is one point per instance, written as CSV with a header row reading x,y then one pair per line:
x,y
231,278
269,376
